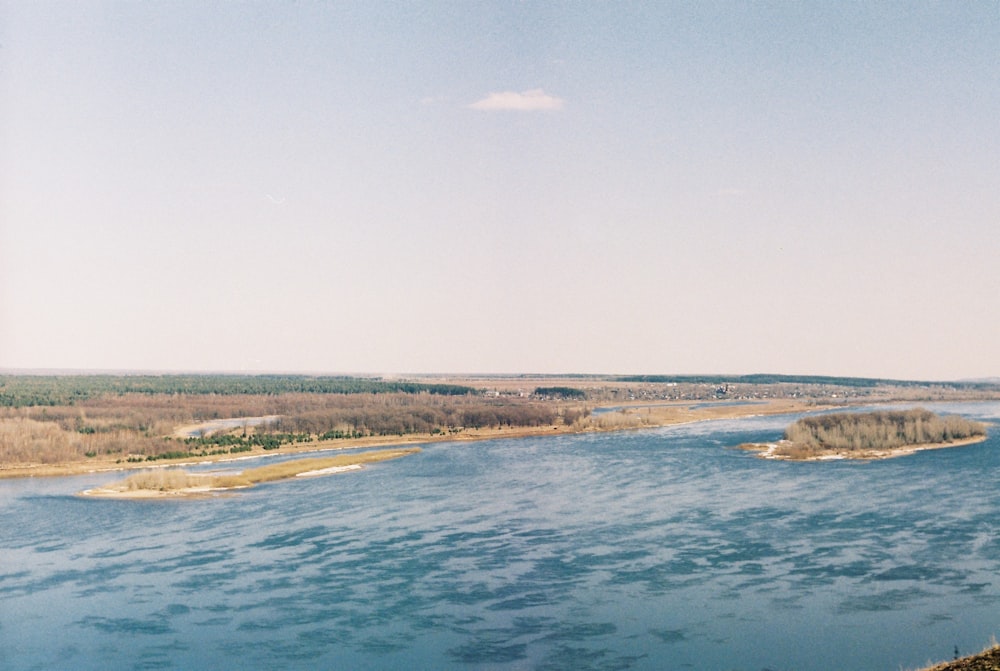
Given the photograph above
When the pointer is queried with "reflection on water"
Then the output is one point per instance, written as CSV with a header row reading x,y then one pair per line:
x,y
658,549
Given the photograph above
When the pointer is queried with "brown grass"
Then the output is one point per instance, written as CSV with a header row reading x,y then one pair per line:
x,y
164,480
987,660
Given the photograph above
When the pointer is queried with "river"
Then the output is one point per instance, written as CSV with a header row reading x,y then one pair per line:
x,y
653,549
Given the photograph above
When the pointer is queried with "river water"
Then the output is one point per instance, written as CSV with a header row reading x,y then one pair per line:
x,y
657,549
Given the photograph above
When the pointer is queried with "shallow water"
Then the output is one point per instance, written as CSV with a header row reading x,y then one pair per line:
x,y
658,549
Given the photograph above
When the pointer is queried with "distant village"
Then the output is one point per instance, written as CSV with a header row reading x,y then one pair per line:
x,y
596,390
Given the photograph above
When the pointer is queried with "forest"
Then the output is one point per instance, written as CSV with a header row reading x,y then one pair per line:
x,y
34,390
140,426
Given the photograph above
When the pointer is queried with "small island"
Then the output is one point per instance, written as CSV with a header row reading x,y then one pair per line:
x,y
177,483
870,435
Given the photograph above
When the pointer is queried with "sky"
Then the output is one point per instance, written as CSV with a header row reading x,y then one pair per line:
x,y
501,187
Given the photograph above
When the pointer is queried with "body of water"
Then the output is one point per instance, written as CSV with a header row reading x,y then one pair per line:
x,y
655,549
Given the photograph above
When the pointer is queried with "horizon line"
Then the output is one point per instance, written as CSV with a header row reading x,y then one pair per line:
x,y
126,372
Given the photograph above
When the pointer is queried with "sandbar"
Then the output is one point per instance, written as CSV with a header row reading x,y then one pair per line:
x,y
770,451
174,483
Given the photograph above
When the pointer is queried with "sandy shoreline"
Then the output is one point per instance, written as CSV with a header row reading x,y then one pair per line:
x,y
769,451
185,492
179,484
216,425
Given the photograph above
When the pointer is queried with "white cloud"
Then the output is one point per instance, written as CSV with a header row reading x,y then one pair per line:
x,y
525,101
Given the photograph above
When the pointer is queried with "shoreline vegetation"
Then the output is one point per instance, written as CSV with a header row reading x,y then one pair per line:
x,y
73,424
625,418
870,435
987,660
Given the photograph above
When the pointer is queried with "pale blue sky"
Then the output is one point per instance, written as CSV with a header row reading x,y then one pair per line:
x,y
655,187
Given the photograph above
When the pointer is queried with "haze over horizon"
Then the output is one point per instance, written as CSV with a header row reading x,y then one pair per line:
x,y
501,187
471,375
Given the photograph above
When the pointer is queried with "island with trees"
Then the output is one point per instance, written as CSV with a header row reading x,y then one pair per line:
x,y
870,435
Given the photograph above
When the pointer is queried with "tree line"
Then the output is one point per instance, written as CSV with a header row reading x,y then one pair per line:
x,y
561,392
140,427
404,419
52,390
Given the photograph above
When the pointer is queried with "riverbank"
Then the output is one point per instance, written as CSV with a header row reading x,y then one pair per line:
x,y
627,417
987,660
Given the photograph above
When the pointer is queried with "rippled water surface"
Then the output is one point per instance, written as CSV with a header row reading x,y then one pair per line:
x,y
659,549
